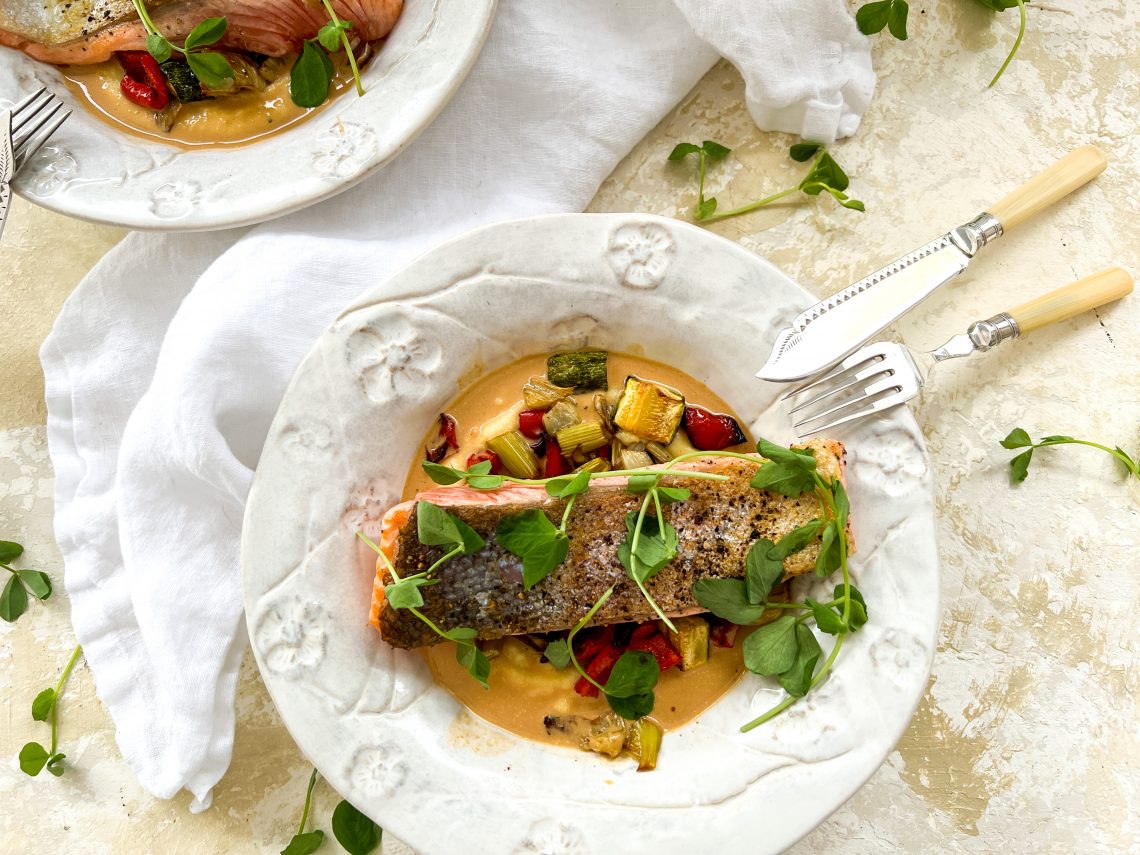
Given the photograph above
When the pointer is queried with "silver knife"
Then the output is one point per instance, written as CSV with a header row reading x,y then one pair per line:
x,y
7,166
833,328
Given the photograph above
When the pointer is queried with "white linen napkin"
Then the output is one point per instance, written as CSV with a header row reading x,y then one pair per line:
x,y
166,365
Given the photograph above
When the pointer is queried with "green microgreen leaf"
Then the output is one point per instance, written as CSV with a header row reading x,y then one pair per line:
x,y
33,758
1017,438
896,19
158,47
406,594
1019,466
329,36
358,834
42,705
536,540
13,599
673,494
10,551
641,484
461,634
37,583
564,488
557,653
311,77
706,208
804,151
55,764
829,558
437,527
205,33
485,482
682,150
772,648
797,539
445,475
825,172
656,546
764,568
304,844
826,618
872,17
728,599
475,661
211,69
797,679
629,689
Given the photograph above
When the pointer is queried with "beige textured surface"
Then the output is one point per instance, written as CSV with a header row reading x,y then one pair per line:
x,y
1027,738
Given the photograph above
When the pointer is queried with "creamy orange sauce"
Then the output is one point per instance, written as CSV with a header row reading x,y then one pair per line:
x,y
237,119
524,690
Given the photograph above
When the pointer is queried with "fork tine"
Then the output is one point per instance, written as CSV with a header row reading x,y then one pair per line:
x,y
869,409
874,369
23,105
853,361
29,108
33,145
887,384
19,139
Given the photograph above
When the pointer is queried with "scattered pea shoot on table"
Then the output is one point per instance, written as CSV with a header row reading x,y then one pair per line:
x,y
21,582
825,175
1019,465
786,648
872,17
353,830
309,79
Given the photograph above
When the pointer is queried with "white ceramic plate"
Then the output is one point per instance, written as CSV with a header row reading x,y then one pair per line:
x,y
370,717
91,171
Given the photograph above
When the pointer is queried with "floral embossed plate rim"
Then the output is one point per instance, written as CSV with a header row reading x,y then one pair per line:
x,y
90,171
370,717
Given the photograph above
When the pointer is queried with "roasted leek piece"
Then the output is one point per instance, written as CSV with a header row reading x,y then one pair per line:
x,y
561,415
650,410
691,640
515,453
583,369
540,394
585,437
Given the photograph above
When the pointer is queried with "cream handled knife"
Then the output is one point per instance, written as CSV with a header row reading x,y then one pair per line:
x,y
823,334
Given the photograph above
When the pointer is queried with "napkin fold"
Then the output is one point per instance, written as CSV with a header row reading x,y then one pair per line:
x,y
166,365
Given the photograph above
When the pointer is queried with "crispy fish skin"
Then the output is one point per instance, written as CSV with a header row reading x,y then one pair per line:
x,y
81,32
715,527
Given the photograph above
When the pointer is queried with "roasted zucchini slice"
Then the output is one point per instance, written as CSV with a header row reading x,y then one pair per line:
x,y
650,410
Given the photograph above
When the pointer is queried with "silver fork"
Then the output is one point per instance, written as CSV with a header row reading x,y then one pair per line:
x,y
23,130
883,374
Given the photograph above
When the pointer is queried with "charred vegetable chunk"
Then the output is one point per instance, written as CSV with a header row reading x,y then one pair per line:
x,y
561,415
515,453
584,369
540,394
711,431
584,438
612,735
650,410
182,81
691,640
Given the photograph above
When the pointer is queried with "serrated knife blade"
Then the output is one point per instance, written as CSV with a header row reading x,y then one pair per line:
x,y
833,328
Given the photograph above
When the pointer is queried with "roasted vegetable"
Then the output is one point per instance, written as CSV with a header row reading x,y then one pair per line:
x,y
598,464
182,81
635,458
583,369
650,410
492,648
643,742
691,640
540,394
585,437
530,423
710,431
480,456
515,453
246,75
659,452
680,445
561,415
605,407
555,463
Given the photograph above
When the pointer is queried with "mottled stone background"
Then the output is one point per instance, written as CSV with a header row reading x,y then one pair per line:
x,y
1028,738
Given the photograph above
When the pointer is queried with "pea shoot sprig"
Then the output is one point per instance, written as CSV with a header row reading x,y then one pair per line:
x,y
33,756
825,175
313,72
358,834
210,67
21,583
872,17
1019,465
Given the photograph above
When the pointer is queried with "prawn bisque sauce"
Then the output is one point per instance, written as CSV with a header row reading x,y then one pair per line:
x,y
524,690
237,119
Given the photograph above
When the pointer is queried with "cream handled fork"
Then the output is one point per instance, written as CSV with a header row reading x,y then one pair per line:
x,y
886,374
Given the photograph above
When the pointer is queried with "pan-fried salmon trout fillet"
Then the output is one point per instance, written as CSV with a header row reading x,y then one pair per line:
x,y
484,590
80,32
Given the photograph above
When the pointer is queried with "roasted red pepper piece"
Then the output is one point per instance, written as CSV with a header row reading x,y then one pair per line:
x,y
643,631
555,463
599,669
144,83
434,455
487,454
590,643
710,431
530,423
664,652
722,633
